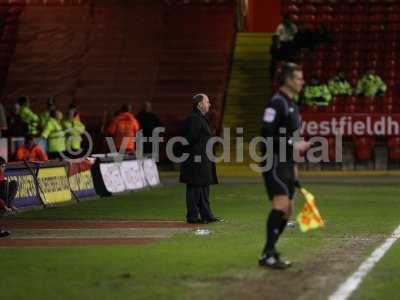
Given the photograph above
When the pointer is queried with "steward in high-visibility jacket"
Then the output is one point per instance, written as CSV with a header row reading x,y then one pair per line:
x,y
74,129
317,94
371,85
55,135
28,116
30,151
44,117
339,86
124,128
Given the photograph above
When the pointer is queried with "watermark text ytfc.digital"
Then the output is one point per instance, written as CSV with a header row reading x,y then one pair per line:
x,y
230,147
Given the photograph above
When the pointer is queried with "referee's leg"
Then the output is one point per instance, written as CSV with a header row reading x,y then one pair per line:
x,y
277,220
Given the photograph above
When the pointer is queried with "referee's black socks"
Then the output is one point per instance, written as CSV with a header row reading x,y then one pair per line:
x,y
275,223
283,225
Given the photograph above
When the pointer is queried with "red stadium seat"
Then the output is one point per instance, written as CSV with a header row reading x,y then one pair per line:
x,y
357,19
295,18
351,100
343,8
376,18
326,9
350,108
370,108
293,9
388,109
394,147
394,18
360,9
309,9
378,8
310,18
364,147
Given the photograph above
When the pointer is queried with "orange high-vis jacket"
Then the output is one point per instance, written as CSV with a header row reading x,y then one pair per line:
x,y
123,126
34,154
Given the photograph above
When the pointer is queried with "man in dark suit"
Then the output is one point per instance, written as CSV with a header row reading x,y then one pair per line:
x,y
198,172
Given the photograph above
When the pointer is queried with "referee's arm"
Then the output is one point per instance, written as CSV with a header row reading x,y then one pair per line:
x,y
271,120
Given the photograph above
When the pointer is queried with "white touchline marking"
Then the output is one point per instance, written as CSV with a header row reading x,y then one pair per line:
x,y
351,284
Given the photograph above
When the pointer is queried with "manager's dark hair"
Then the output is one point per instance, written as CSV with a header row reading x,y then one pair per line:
x,y
2,161
287,72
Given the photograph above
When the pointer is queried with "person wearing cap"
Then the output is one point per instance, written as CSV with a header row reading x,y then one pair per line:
x,y
30,151
198,172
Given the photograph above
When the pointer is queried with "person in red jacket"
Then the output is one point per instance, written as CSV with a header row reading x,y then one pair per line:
x,y
123,128
30,151
8,191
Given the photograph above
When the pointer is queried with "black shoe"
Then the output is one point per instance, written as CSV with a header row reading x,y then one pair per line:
x,y
272,260
4,233
198,221
214,220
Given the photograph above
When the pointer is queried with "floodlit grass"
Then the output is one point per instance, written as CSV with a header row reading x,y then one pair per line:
x,y
192,267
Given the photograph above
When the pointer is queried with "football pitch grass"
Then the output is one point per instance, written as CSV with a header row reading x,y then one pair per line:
x,y
223,265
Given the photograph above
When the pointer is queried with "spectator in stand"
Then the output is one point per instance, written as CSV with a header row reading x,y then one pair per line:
x,y
286,33
303,38
276,55
16,126
323,36
317,93
30,151
309,39
123,128
44,117
371,85
3,119
148,121
339,86
28,116
8,191
74,131
54,133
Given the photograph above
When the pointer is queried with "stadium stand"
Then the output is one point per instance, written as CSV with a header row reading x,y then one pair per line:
x,y
106,53
366,37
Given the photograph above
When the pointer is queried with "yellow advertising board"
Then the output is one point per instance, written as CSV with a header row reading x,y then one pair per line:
x,y
54,185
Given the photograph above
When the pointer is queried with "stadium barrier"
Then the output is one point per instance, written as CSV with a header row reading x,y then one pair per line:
x,y
54,188
80,179
52,183
112,177
27,195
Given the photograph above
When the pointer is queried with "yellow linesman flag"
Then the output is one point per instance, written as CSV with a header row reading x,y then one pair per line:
x,y
309,218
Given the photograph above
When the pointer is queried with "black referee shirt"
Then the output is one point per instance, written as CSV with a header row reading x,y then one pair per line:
x,y
281,119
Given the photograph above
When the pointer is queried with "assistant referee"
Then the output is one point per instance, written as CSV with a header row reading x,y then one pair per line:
x,y
280,121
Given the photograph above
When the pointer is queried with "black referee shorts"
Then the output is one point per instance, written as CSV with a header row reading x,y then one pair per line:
x,y
280,180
